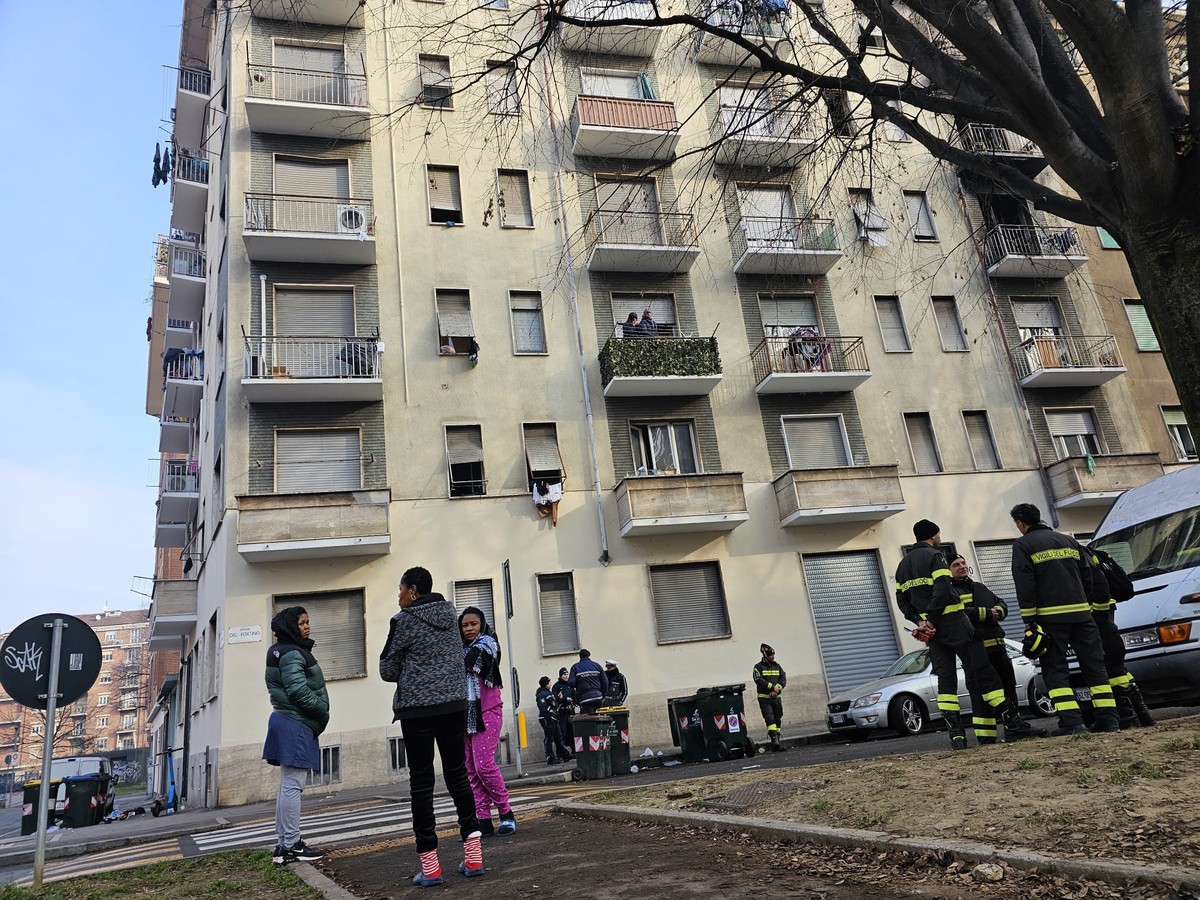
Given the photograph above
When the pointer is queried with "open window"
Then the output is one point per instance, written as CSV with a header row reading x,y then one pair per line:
x,y
543,462
1073,432
872,226
445,195
662,322
437,87
456,331
464,461
664,448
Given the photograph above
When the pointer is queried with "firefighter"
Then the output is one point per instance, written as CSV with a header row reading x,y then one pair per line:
x,y
770,680
985,611
925,595
1131,706
1054,578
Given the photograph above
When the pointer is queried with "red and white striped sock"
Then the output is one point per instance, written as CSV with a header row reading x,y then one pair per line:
x,y
430,867
473,850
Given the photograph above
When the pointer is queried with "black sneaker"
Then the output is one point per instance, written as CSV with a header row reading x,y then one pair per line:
x,y
302,853
486,828
280,856
1019,728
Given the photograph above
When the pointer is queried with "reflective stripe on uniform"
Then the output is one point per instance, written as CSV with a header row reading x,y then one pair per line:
x,y
984,727
1062,610
953,607
912,583
994,698
948,702
1121,681
1105,606
994,642
1046,555
1102,697
939,573
1063,699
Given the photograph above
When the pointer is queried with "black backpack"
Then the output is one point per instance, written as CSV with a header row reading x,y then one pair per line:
x,y
1120,586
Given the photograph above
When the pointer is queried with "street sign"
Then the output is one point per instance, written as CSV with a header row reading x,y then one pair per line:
x,y
25,660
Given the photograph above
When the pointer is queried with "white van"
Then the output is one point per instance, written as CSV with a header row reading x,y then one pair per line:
x,y
1154,533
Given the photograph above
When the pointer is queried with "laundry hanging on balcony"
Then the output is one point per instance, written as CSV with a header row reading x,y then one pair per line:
x,y
157,178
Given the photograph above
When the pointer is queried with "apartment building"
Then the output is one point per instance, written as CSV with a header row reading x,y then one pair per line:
x,y
380,330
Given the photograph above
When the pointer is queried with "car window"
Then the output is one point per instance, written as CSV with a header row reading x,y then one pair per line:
x,y
910,664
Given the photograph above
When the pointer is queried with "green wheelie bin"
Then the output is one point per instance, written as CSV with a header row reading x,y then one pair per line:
x,y
618,739
591,747
686,728
83,808
723,715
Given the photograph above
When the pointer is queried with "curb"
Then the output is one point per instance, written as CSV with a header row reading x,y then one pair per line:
x,y
66,851
327,886
1116,873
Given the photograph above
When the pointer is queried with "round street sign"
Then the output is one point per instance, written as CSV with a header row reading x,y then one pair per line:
x,y
25,660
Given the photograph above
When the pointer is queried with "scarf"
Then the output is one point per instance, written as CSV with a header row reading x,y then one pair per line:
x,y
482,660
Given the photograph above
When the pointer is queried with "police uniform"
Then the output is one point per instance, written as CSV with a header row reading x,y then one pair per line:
x,y
770,679
978,602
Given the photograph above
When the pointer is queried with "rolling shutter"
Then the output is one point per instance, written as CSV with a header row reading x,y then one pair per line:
x,y
339,629
1036,314
689,603
783,315
1067,422
312,177
454,314
920,437
625,85
855,628
661,306
634,195
464,444
310,59
993,562
516,209
317,460
541,451
556,606
769,202
891,325
945,310
815,442
444,191
314,313
917,207
477,594
1143,331
979,435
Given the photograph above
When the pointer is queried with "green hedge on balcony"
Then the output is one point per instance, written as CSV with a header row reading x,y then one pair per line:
x,y
658,357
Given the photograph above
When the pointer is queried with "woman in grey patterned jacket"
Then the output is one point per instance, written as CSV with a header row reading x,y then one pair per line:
x,y
423,657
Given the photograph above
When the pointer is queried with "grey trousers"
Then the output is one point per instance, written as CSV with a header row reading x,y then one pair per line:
x,y
287,805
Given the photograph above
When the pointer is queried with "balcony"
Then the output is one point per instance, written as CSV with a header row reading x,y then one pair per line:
x,y
760,137
1033,251
621,40
178,489
1006,146
809,365
333,230
175,434
643,242
312,369
680,504
179,335
659,367
784,246
189,192
183,383
188,271
763,28
624,128
306,103
1061,361
313,526
845,494
191,102
172,612
1073,485
342,13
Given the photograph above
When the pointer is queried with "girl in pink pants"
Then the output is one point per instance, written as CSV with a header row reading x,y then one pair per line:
x,y
485,718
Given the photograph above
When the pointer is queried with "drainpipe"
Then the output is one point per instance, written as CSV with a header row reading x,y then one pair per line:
x,y
1012,366
391,132
262,324
573,301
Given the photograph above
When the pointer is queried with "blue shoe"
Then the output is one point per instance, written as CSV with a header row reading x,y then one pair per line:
x,y
421,881
508,824
463,870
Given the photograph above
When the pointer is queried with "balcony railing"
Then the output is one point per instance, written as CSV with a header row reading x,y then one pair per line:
x,y
1066,361
1039,241
311,215
183,365
766,234
305,86
844,494
1098,481
619,112
178,476
762,22
313,526
681,504
639,229
624,40
191,168
980,138
818,355
607,10
311,357
187,262
196,81
748,123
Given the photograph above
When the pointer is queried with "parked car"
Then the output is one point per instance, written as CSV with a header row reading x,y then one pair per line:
x,y
904,698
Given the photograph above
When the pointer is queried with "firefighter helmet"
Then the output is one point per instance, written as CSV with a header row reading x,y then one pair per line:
x,y
1036,642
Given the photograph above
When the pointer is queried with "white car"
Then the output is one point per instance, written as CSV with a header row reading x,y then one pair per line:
x,y
904,698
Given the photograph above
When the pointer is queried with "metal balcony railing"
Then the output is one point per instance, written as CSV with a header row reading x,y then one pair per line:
x,y
1031,240
183,365
638,229
186,261
179,476
306,86
979,138
748,122
196,81
311,357
762,234
759,20
618,112
606,10
786,355
309,215
1062,351
661,356
191,168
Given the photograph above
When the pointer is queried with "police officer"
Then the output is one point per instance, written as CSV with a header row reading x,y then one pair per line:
x,y
564,694
770,679
1131,706
1054,579
556,750
926,597
985,611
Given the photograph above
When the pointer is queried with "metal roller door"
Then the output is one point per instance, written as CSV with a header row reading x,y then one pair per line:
x,y
993,568
853,615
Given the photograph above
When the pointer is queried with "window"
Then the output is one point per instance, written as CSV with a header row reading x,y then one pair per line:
x,y
543,462
128,722
1073,432
661,306
106,677
556,609
916,204
1107,241
309,460
102,700
331,766
870,38
102,721
127,743
891,325
210,659
397,758
112,637
822,16
616,83
516,209
504,98
456,330
437,87
893,131
445,196
101,743
979,436
464,459
922,444
136,636
1143,331
769,217
529,328
784,313
747,109
476,593
838,106
664,448
816,442
299,177
627,211
868,219
128,703
77,729
1181,435
339,622
689,602
37,729
945,310
494,4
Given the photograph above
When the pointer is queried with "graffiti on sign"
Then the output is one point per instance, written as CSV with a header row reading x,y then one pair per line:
x,y
27,659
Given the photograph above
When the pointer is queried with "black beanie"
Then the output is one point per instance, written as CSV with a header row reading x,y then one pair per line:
x,y
925,529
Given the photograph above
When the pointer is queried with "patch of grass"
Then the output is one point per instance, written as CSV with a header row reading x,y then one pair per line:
x,y
821,804
869,819
1178,744
1147,769
1060,818
1029,763
1119,775
1083,779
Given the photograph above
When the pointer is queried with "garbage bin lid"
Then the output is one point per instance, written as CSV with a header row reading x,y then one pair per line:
x,y
605,710
74,778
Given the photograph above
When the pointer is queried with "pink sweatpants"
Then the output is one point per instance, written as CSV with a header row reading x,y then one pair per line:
x,y
486,781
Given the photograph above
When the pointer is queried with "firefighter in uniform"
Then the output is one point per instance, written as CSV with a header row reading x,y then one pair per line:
x,y
770,680
926,598
1054,579
1131,706
985,611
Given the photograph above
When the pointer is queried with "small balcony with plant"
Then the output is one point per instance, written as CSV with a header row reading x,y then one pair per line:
x,y
660,366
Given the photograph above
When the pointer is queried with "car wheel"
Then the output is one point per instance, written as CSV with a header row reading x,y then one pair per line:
x,y
1040,703
907,716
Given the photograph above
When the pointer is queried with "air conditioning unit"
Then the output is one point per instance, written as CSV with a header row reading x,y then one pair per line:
x,y
351,219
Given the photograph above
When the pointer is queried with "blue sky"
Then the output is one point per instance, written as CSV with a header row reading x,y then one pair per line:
x,y
84,93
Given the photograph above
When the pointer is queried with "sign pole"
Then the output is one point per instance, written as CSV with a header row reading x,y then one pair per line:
x,y
39,856
514,685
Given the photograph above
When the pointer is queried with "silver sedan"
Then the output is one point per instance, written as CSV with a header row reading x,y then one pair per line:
x,y
904,698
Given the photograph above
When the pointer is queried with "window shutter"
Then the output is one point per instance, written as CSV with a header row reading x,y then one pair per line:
x,y
945,310
917,205
556,606
517,209
635,195
312,178
338,627
541,450
1066,422
979,436
464,444
454,314
318,460
789,313
688,602
994,563
661,306
920,437
502,90
314,313
444,192
891,324
815,442
1143,331
626,85
477,594
528,326
435,71
1036,314
310,59
1174,416
770,202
